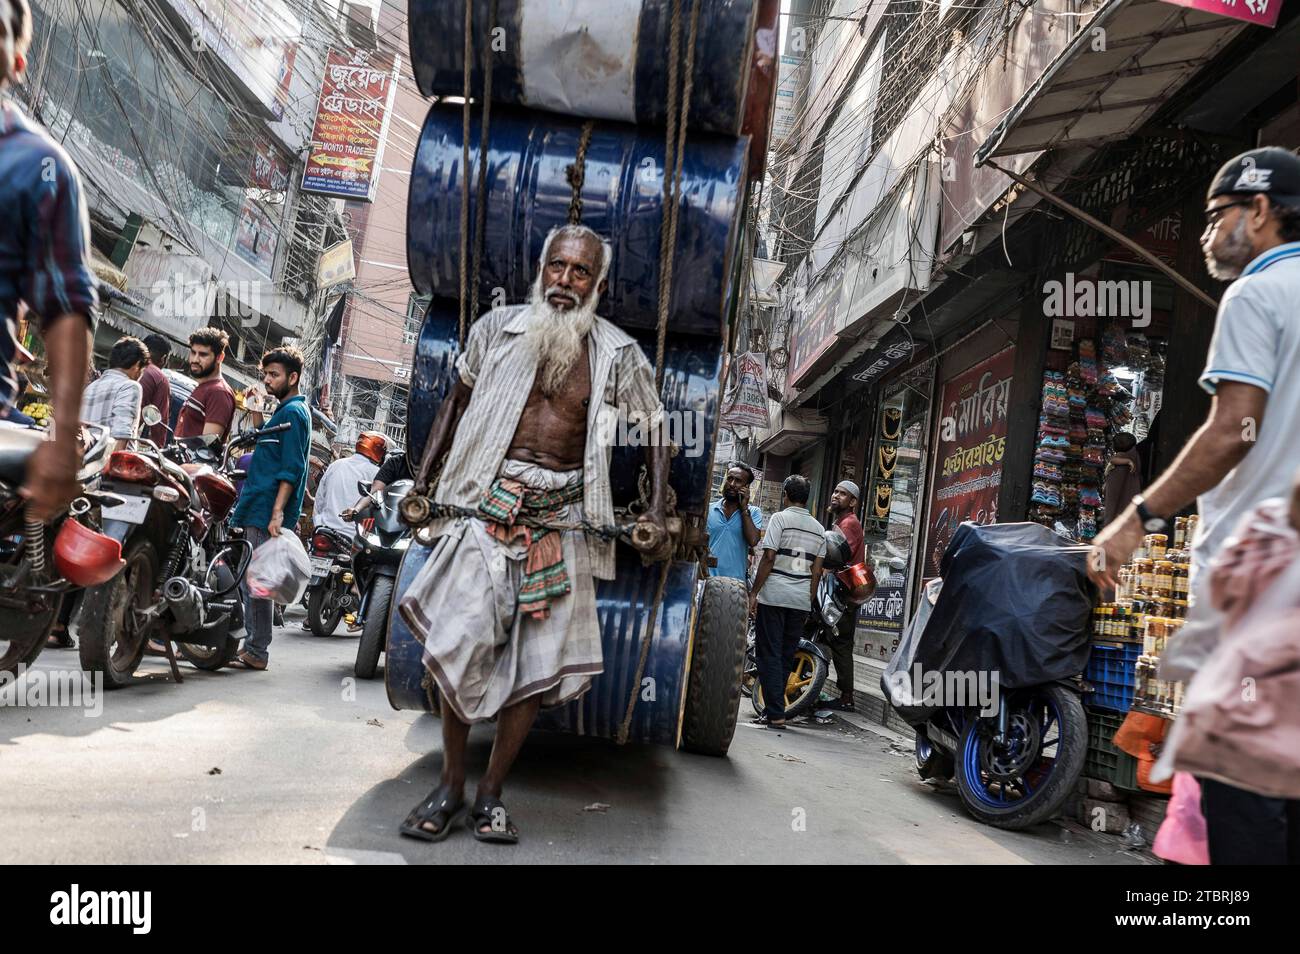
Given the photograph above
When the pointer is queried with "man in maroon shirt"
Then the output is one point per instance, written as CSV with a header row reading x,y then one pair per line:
x,y
211,407
844,514
155,388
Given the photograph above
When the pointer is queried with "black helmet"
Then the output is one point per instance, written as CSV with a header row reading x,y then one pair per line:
x,y
838,552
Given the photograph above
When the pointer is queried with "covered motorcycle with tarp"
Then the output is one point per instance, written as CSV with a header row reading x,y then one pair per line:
x,y
658,153
987,671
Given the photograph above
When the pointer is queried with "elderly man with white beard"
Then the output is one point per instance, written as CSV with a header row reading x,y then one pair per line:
x,y
507,613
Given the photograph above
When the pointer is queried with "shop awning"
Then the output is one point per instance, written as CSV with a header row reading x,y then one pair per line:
x,y
1123,64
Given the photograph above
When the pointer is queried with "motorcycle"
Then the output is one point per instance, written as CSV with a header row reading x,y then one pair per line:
x,y
376,556
42,566
329,593
843,587
179,583
1016,755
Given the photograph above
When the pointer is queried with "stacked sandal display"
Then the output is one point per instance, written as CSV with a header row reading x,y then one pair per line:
x,y
1082,409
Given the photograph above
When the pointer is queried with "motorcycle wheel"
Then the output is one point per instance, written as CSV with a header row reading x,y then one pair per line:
x,y
931,761
32,629
375,628
31,634
109,638
1026,780
205,657
323,611
803,686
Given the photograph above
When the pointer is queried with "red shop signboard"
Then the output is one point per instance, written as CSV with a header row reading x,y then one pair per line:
x,y
968,452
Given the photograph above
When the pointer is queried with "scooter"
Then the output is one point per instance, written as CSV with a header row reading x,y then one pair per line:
x,y
376,556
1016,754
329,593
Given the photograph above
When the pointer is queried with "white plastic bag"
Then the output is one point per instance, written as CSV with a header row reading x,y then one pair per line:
x,y
279,570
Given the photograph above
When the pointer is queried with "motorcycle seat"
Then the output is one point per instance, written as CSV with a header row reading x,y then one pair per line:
x,y
17,443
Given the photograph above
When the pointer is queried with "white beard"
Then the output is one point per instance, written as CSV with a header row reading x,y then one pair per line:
x,y
557,336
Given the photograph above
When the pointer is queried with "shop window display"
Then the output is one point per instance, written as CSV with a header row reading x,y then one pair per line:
x,y
1083,407
896,470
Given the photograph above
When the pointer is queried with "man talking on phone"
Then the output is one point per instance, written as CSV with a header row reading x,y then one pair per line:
x,y
734,525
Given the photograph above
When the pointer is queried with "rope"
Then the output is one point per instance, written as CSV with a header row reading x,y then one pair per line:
x,y
674,148
480,210
464,165
646,637
576,173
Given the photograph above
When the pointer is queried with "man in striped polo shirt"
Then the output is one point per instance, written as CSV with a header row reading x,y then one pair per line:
x,y
784,589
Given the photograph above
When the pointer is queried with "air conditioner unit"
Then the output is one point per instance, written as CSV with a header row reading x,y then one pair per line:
x,y
361,24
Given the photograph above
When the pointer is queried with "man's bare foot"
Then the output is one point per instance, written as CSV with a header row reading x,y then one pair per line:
x,y
431,820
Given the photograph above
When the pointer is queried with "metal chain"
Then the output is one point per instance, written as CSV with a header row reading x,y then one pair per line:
x,y
604,531
576,173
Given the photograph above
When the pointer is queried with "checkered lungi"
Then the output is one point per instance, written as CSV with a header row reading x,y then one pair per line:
x,y
481,649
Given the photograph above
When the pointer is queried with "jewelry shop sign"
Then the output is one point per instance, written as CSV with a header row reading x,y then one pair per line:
x,y
347,139
968,454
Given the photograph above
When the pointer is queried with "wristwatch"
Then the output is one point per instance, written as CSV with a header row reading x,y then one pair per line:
x,y
1150,522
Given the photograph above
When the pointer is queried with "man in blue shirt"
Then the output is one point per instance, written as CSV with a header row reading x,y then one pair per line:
x,y
271,498
734,525
44,270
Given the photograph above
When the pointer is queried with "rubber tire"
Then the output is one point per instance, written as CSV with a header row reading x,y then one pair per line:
x,y
821,671
717,662
210,662
94,636
16,621
375,630
934,763
320,624
1045,805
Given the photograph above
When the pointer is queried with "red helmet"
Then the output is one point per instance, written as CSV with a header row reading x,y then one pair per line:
x,y
85,557
373,445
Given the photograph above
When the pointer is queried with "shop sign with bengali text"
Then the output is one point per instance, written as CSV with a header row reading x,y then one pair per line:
x,y
745,404
815,333
1259,12
971,441
352,115
883,613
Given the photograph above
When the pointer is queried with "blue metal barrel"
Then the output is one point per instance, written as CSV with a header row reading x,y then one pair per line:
x,y
599,59
623,609
528,194
692,367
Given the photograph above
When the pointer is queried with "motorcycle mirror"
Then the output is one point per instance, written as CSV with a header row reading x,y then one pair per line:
x,y
151,415
363,488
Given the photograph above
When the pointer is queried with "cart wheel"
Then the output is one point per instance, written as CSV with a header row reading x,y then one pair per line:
x,y
717,664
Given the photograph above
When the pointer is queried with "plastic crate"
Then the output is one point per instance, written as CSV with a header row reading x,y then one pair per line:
x,y
1112,673
1103,760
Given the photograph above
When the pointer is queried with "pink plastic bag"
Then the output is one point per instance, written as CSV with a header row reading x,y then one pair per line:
x,y
1181,838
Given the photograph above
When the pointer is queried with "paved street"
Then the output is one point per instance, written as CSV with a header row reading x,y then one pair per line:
x,y
283,767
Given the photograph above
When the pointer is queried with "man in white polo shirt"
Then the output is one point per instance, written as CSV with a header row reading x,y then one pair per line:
x,y
784,589
1245,452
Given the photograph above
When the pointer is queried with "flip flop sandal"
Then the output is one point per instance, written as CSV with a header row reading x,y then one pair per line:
x,y
485,812
244,661
438,803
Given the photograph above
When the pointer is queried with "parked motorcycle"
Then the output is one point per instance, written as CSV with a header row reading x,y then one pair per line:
x,y
1015,754
33,557
329,593
377,555
843,587
179,583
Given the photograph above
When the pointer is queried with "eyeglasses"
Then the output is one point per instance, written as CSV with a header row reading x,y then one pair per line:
x,y
1212,216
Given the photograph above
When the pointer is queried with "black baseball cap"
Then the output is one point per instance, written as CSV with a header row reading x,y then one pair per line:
x,y
1274,171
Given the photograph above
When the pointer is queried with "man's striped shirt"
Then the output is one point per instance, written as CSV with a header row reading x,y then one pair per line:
x,y
798,540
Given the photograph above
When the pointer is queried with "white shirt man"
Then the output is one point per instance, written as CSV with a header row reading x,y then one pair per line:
x,y
337,490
